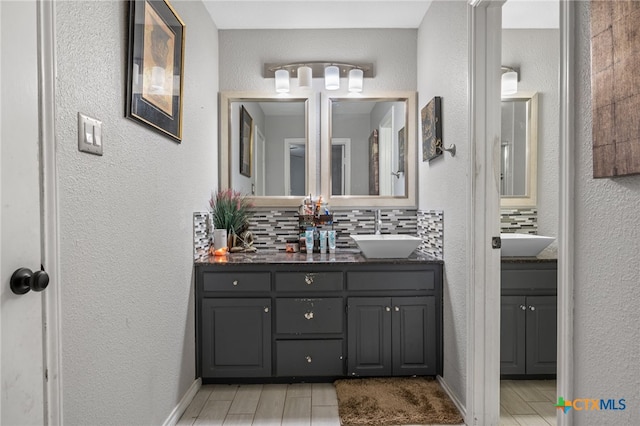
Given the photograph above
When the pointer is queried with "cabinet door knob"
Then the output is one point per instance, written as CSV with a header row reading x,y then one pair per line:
x,y
308,278
532,308
266,309
308,315
308,357
524,308
235,282
397,309
388,309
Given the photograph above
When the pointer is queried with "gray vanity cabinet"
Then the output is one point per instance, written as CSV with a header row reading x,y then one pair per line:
x,y
236,337
397,334
392,336
318,320
528,329
542,314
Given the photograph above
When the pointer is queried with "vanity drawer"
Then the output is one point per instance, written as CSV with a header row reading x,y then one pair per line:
x,y
309,358
529,279
309,281
303,316
388,280
237,281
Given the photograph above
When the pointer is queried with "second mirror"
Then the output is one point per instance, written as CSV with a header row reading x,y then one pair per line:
x,y
368,149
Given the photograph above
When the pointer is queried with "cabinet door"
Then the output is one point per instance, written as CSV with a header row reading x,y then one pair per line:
x,y
542,314
369,336
236,337
512,335
413,334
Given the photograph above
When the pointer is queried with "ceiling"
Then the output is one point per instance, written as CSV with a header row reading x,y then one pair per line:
x,y
327,14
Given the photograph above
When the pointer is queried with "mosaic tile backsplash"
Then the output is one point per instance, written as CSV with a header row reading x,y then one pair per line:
x,y
272,228
519,220
201,240
431,230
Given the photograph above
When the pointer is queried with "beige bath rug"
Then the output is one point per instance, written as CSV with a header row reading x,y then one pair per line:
x,y
394,401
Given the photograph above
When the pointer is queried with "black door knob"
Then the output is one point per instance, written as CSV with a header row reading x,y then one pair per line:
x,y
24,279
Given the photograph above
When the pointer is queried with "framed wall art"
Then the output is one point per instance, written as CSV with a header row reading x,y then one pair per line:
x,y
155,67
615,88
431,116
401,149
374,164
246,142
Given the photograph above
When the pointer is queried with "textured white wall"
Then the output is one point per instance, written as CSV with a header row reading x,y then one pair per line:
x,y
126,220
607,271
244,52
443,71
536,53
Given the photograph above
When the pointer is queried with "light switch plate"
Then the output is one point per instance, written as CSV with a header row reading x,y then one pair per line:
x,y
89,134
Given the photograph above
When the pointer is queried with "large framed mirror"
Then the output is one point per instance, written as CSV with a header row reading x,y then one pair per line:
x,y
519,150
267,147
368,150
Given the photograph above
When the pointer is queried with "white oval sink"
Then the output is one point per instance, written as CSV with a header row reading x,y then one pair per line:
x,y
394,246
523,245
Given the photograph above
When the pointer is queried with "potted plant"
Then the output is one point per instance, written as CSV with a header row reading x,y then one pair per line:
x,y
230,213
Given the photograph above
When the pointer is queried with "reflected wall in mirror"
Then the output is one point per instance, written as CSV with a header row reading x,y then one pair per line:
x,y
519,150
283,154
367,152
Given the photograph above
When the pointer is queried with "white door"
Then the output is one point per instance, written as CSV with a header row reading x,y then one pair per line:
x,y
21,325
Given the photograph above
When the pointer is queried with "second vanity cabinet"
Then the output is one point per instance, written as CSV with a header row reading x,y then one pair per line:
x,y
528,318
299,320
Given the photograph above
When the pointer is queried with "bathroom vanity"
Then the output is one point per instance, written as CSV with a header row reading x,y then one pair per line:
x,y
291,317
529,317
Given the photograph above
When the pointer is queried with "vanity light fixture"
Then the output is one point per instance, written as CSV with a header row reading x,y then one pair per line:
x,y
355,80
509,81
282,81
330,71
332,77
305,74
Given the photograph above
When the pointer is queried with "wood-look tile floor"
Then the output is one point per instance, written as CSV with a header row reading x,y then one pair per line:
x,y
301,404
295,405
522,403
528,402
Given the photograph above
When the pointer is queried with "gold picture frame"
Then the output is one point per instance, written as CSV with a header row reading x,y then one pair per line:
x,y
155,71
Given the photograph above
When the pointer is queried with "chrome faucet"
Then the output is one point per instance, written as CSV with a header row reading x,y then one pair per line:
x,y
377,222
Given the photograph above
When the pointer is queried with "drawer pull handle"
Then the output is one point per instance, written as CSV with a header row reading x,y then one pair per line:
x,y
532,308
308,315
524,308
309,359
388,309
235,282
308,278
266,309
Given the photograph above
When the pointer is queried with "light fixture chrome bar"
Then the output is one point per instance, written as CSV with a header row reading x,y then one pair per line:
x,y
317,68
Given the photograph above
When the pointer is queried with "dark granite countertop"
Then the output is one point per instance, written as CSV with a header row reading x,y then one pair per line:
x,y
340,256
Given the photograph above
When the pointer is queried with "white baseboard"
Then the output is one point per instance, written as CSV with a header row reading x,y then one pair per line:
x,y
454,398
179,410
